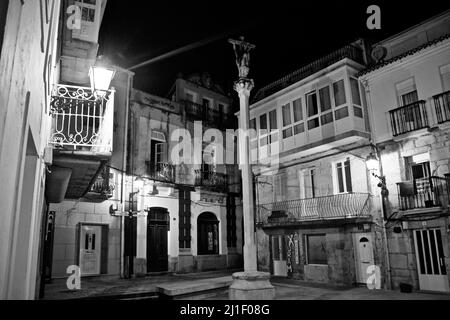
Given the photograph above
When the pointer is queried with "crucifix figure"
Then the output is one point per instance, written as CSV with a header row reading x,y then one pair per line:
x,y
242,53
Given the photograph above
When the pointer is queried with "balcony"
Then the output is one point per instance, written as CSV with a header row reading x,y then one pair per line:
x,y
161,172
409,118
424,193
341,206
102,189
81,137
442,106
210,117
80,120
349,51
211,180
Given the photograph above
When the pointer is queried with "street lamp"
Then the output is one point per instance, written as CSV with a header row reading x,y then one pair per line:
x,y
372,163
101,75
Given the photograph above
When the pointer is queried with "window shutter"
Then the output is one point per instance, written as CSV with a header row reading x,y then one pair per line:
x,y
348,176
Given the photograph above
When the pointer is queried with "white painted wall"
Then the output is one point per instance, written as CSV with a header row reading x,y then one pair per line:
x,y
381,91
23,67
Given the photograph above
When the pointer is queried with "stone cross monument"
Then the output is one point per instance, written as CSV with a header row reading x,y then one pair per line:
x,y
250,284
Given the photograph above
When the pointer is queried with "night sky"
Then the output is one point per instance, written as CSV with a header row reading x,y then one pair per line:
x,y
287,34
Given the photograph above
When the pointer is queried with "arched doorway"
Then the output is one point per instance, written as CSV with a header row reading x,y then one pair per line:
x,y
207,234
157,250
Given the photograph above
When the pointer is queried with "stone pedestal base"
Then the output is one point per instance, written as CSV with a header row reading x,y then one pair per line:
x,y
251,285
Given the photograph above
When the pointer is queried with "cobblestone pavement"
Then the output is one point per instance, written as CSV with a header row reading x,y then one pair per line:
x,y
114,286
286,289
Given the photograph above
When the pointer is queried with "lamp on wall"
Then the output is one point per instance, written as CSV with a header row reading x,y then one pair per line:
x,y
101,75
372,163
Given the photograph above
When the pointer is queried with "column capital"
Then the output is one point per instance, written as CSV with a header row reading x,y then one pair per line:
x,y
244,86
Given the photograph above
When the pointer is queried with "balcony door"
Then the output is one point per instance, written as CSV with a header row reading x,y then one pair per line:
x,y
430,257
158,153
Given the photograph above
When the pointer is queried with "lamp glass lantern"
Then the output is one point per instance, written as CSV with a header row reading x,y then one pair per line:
x,y
372,163
101,75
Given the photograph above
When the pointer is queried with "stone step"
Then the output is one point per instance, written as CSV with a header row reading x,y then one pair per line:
x,y
194,289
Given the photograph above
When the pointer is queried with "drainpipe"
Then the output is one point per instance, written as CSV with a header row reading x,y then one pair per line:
x,y
124,168
383,201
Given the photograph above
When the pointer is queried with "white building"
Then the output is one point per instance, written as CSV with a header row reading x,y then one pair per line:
x,y
409,110
28,43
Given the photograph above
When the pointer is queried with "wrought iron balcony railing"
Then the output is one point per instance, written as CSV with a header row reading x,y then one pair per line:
x,y
340,206
80,120
424,193
210,116
442,106
211,180
162,171
102,185
409,118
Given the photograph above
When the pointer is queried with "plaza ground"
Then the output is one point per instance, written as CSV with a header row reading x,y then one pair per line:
x,y
112,287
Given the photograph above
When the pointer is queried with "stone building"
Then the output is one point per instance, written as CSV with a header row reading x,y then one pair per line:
x,y
189,212
318,208
409,109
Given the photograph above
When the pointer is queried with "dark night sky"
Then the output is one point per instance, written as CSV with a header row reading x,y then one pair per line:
x,y
287,34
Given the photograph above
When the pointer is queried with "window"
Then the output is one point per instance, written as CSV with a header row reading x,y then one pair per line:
x,y
207,234
311,104
357,111
339,93
310,184
343,177
341,113
298,112
207,103
313,123
299,128
326,118
316,249
292,117
158,150
354,86
253,124
409,98
445,77
406,92
286,110
222,108
263,122
325,102
273,120
418,166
